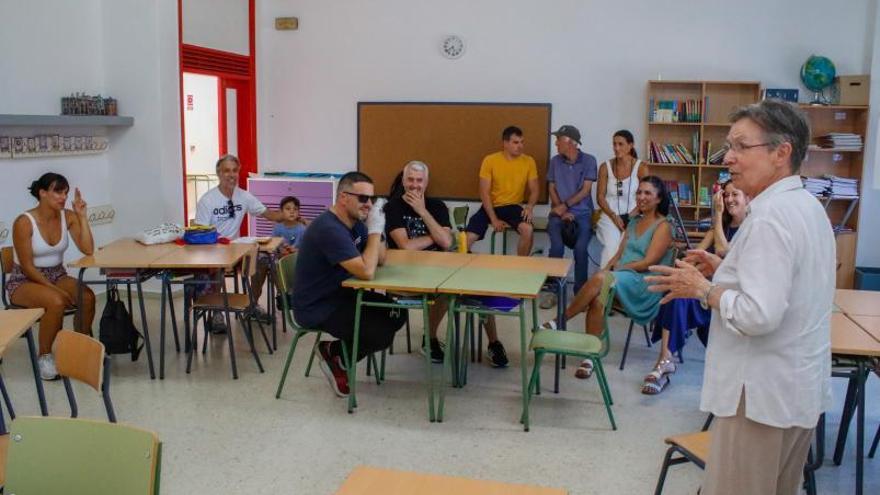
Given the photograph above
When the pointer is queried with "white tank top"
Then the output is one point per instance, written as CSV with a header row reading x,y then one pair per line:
x,y
46,256
627,201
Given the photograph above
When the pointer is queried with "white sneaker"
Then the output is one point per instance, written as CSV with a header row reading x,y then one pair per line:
x,y
549,325
46,363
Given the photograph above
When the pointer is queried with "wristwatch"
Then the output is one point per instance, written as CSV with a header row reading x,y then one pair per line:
x,y
704,299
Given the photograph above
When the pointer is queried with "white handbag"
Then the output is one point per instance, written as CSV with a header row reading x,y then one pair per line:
x,y
167,232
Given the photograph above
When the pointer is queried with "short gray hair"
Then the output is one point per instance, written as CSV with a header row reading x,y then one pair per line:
x,y
226,158
416,165
781,122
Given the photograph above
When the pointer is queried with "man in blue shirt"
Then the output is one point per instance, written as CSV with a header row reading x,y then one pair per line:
x,y
344,241
570,175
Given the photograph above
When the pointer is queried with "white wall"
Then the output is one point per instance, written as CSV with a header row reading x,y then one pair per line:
x,y
589,58
141,67
217,24
868,249
44,59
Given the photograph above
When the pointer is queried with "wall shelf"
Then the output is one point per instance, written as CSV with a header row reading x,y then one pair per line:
x,y
15,120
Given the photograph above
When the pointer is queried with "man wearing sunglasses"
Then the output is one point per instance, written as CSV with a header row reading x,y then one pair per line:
x,y
346,240
224,207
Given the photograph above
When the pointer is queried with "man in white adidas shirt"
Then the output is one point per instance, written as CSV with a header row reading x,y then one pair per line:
x,y
224,207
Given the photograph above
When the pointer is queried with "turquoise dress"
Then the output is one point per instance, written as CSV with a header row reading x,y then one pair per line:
x,y
640,304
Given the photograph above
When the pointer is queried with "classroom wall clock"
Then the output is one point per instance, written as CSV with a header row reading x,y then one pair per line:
x,y
452,47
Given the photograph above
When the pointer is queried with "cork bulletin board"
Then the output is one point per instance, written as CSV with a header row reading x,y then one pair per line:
x,y
452,138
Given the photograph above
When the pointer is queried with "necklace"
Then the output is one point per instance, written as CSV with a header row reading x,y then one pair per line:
x,y
620,186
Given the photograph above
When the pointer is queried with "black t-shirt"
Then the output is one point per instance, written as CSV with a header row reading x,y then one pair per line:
x,y
398,214
317,290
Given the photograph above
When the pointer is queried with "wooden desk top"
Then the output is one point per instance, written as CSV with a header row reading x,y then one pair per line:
x,y
404,278
550,267
494,282
870,324
271,246
427,258
124,253
858,302
849,339
14,323
203,256
366,480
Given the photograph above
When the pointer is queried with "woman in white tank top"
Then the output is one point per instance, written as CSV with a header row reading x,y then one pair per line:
x,y
38,278
616,192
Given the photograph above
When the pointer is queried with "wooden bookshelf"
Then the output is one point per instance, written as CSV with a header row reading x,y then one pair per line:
x,y
843,213
719,99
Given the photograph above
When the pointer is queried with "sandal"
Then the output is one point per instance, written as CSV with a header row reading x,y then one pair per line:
x,y
654,387
585,370
663,368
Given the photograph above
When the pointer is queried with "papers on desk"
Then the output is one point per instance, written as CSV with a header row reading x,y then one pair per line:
x,y
251,240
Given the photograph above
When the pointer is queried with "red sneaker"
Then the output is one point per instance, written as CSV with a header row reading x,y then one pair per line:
x,y
333,369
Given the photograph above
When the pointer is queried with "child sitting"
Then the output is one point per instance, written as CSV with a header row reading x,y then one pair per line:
x,y
292,227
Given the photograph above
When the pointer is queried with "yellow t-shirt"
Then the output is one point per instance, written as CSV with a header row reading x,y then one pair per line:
x,y
509,177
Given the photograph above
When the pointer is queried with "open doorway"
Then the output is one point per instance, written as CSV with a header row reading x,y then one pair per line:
x,y
201,124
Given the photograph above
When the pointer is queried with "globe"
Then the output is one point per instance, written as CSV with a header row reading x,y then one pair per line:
x,y
818,73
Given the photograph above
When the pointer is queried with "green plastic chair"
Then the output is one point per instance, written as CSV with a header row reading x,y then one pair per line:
x,y
286,279
582,345
66,455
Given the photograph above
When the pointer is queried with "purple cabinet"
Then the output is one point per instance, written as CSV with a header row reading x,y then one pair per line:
x,y
315,196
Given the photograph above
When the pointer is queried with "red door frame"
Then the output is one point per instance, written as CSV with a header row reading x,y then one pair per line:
x,y
233,71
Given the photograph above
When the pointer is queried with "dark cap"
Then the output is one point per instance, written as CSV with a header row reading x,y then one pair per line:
x,y
569,131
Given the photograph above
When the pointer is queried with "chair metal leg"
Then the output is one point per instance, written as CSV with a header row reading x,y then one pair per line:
x,y
874,443
408,338
6,398
105,391
849,405
193,348
71,399
249,335
173,316
647,335
312,355
626,345
663,470
287,364
603,384
265,337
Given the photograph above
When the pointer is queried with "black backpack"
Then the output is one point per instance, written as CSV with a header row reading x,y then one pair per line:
x,y
116,331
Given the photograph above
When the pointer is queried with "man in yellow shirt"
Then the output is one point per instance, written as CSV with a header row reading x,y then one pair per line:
x,y
504,178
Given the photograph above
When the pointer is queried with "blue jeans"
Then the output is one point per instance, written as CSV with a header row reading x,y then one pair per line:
x,y
581,256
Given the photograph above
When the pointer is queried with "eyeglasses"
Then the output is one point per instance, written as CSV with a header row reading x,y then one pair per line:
x,y
230,206
620,188
362,198
740,147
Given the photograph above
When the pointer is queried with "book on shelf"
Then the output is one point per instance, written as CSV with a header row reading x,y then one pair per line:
x,y
675,110
843,141
672,153
705,199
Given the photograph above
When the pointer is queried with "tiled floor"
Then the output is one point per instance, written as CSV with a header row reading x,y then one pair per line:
x,y
232,436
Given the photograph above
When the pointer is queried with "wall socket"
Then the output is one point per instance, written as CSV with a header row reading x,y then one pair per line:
x,y
4,233
101,215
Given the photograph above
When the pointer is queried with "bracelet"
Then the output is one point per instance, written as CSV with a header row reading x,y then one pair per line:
x,y
704,299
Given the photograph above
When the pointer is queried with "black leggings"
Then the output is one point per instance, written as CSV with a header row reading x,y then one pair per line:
x,y
378,325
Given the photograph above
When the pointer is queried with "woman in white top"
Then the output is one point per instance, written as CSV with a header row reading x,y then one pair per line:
x,y
616,192
38,278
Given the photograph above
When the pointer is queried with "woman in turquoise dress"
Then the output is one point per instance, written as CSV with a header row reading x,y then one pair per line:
x,y
646,242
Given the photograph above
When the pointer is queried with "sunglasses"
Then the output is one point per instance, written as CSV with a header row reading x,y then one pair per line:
x,y
362,198
230,206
